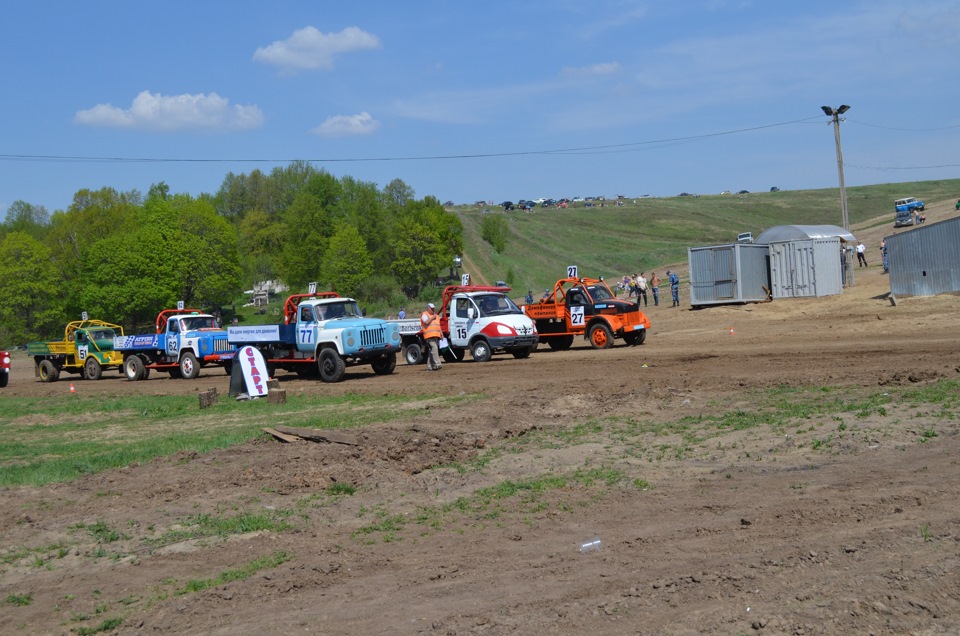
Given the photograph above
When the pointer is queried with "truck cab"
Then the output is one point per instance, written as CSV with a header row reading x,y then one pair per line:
x,y
488,321
322,333
185,340
587,307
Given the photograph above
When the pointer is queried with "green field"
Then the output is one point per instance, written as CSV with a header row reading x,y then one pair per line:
x,y
652,234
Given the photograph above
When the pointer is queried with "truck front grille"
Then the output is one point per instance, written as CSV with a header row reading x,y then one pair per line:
x,y
372,337
222,346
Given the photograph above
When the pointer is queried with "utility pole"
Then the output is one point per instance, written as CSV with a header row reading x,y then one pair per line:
x,y
835,113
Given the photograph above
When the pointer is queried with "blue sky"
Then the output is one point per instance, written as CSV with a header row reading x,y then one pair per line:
x,y
598,97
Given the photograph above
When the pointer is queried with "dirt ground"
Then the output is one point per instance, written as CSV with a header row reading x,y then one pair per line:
x,y
753,531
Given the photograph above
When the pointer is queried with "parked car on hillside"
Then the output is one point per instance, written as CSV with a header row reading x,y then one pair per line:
x,y
908,204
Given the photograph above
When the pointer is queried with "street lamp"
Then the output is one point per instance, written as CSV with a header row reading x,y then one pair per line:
x,y
835,113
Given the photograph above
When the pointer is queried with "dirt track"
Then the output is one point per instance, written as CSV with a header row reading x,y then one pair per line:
x,y
753,531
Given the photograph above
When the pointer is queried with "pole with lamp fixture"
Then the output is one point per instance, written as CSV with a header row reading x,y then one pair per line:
x,y
845,216
835,113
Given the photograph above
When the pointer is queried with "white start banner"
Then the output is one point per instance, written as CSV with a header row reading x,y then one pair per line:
x,y
254,371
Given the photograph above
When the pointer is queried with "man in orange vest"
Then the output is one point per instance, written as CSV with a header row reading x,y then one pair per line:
x,y
430,323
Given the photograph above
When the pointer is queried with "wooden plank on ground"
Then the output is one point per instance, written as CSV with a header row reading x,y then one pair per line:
x,y
283,437
314,435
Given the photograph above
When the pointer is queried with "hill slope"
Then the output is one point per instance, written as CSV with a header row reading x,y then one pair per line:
x,y
654,234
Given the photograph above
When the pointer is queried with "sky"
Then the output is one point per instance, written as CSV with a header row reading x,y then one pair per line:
x,y
470,101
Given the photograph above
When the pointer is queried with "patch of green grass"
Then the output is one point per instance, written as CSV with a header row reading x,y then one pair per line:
x,y
102,532
207,525
106,626
20,599
340,489
90,434
243,572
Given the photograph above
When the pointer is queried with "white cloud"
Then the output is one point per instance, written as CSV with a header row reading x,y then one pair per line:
x,y
347,125
310,49
151,111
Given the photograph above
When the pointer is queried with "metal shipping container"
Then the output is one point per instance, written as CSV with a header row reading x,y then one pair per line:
x,y
806,268
724,274
925,261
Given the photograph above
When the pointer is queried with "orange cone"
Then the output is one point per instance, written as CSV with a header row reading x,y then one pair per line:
x,y
731,331
72,389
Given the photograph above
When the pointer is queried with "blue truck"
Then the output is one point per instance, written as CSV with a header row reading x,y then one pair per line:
x,y
905,210
185,341
322,333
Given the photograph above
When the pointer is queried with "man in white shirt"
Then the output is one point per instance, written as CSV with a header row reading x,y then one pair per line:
x,y
861,255
642,288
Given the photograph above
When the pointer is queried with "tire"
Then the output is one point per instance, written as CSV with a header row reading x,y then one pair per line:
x,y
48,371
600,336
453,354
635,337
134,369
175,373
92,369
480,350
228,367
560,343
385,364
331,365
189,368
4,379
413,354
522,354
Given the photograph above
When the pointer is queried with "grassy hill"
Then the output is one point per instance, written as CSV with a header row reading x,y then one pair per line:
x,y
653,234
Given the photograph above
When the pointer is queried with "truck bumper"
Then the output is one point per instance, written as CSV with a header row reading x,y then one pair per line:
x,y
513,342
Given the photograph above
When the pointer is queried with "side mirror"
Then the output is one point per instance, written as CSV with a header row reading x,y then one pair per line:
x,y
471,313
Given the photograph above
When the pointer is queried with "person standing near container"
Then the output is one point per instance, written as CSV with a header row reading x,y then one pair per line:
x,y
655,288
430,323
861,255
674,287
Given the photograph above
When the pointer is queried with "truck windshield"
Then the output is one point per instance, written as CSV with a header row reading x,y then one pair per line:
x,y
192,323
101,334
332,311
599,293
495,305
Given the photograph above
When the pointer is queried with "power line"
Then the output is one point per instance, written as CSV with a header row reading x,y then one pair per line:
x,y
624,147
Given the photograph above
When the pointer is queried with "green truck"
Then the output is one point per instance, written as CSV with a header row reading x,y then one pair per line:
x,y
86,349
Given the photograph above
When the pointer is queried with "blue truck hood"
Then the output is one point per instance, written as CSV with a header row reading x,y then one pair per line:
x,y
352,323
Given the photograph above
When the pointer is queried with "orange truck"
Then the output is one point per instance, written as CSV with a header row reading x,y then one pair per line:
x,y
586,307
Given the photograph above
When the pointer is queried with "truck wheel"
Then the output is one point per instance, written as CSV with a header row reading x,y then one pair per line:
x,y
600,336
4,378
175,373
413,354
134,369
521,354
480,350
385,364
559,343
228,367
635,337
92,369
331,365
453,354
189,368
48,371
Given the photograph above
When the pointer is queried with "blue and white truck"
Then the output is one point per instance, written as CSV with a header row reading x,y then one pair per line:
x,y
322,333
185,340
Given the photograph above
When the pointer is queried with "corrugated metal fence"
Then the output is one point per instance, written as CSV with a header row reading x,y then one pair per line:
x,y
925,261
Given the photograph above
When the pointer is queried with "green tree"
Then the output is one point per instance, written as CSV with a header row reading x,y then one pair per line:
x,y
261,239
28,218
494,230
348,264
30,289
418,256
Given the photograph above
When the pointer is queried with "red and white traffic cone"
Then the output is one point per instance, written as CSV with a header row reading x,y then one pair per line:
x,y
731,331
73,390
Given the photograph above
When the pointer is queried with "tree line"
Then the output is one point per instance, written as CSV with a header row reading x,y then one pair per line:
x,y
122,256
